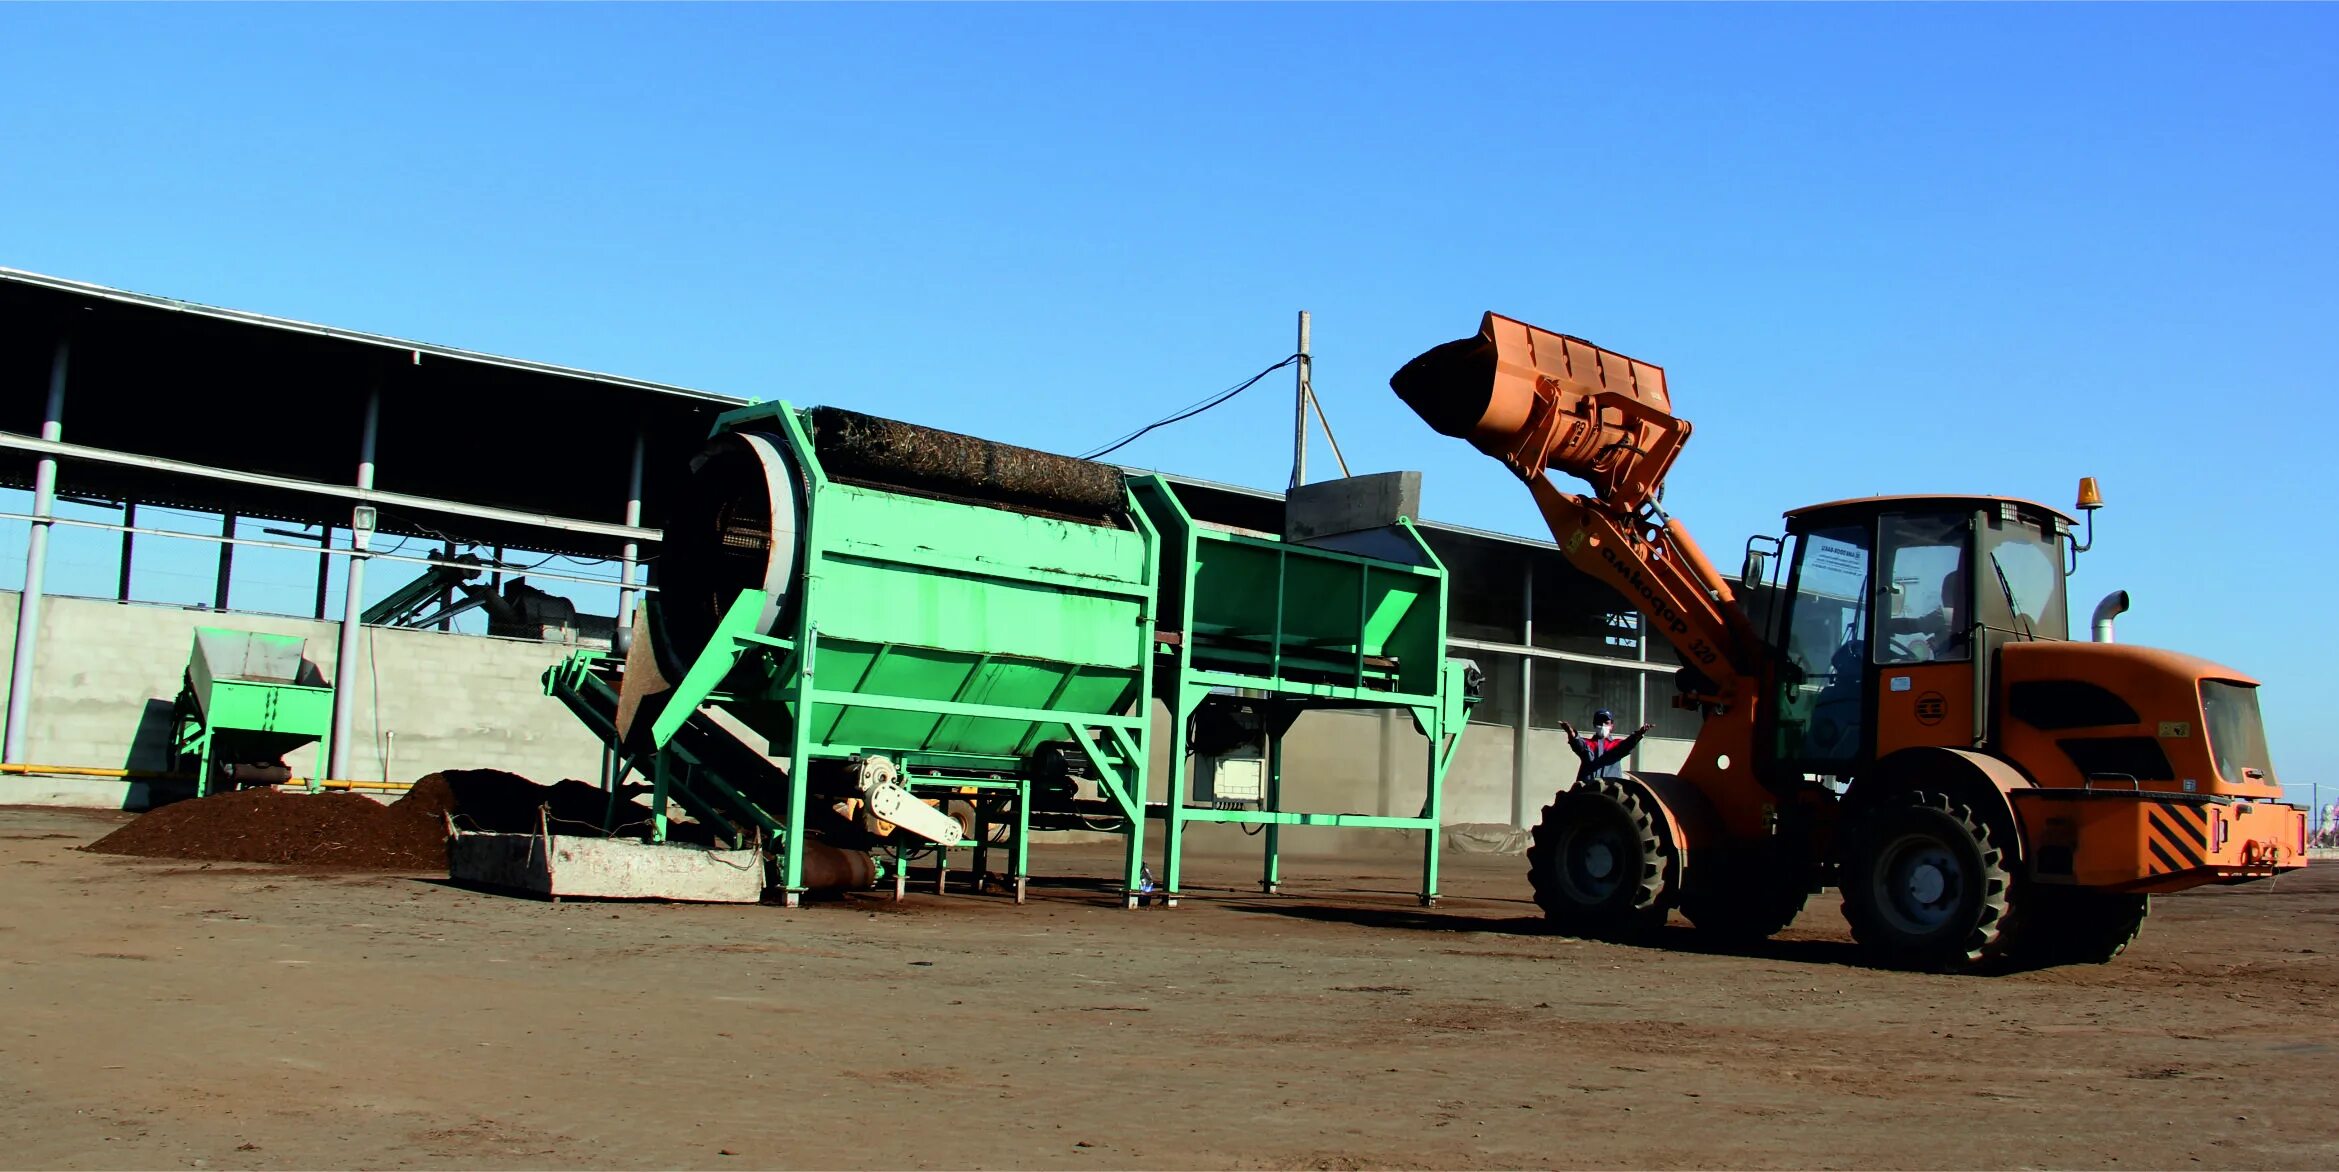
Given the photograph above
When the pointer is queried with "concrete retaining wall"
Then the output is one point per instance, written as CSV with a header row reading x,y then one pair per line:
x,y
108,671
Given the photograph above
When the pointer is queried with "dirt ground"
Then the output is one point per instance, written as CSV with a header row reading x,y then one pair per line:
x,y
165,1014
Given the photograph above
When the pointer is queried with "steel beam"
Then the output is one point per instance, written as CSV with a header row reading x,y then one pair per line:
x,y
52,449
36,564
255,543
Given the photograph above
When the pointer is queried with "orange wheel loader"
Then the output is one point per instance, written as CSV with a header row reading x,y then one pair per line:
x,y
1905,718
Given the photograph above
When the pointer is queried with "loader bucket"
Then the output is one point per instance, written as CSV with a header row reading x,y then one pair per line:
x,y
1535,400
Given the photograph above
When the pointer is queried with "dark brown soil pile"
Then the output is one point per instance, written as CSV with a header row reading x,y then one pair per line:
x,y
347,830
267,826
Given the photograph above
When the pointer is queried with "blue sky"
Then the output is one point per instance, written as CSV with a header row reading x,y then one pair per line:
x,y
1894,248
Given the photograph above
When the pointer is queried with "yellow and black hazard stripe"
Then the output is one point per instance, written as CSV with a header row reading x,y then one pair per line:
x,y
2175,836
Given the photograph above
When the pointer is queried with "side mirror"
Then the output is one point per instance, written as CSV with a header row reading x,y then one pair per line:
x,y
1757,570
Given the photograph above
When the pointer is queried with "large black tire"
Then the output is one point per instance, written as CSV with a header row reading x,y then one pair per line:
x,y
1742,909
2076,925
1598,864
1925,883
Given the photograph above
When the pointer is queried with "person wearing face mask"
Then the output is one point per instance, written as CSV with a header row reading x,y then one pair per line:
x,y
1603,752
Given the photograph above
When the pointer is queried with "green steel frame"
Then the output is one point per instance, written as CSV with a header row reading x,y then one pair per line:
x,y
957,639
875,602
1226,591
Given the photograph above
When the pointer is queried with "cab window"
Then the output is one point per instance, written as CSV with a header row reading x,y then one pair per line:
x,y
2022,579
1822,691
1925,608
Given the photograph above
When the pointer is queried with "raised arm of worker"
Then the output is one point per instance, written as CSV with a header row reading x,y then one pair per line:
x,y
1575,740
1617,751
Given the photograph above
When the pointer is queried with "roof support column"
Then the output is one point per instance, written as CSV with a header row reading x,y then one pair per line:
x,y
324,566
36,565
227,561
129,549
1522,757
361,537
630,556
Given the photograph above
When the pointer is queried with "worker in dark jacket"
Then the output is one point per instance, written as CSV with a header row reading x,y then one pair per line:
x,y
1603,752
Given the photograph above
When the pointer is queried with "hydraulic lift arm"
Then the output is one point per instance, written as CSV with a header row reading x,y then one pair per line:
x,y
1540,401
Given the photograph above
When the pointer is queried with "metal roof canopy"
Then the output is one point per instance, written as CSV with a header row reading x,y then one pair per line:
x,y
224,411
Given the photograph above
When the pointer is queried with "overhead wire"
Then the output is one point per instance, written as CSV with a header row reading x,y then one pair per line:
x,y
1189,411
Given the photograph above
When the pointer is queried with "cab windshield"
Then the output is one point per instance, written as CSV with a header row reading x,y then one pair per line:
x,y
2237,736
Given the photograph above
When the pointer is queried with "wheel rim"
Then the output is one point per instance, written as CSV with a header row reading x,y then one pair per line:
x,y
1920,884
1590,862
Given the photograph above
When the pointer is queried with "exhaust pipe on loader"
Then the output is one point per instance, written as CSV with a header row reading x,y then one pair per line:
x,y
2113,605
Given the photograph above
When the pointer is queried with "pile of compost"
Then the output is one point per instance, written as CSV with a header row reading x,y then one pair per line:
x,y
269,826
350,831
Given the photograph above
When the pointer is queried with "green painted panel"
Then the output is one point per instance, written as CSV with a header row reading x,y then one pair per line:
x,y
928,674
873,602
912,572
269,707
871,523
1332,610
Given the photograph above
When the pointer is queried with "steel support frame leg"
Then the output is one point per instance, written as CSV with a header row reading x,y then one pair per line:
x,y
1127,792
1442,746
1022,852
324,754
800,758
609,807
982,836
661,783
204,765
1271,874
1177,790
1430,836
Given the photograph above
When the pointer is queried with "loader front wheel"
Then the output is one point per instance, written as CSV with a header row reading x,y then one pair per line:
x,y
1925,883
1598,864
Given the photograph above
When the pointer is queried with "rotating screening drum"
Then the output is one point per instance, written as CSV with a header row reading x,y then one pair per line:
x,y
852,587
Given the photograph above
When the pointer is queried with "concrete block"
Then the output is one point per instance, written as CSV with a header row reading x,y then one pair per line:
x,y
606,868
1330,507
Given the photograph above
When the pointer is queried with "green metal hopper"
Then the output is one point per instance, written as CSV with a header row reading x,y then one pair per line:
x,y
1273,629
248,699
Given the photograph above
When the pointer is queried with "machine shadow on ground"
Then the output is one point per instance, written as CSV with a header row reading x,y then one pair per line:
x,y
1673,938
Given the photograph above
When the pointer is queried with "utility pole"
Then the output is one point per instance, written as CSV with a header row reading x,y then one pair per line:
x,y
1299,417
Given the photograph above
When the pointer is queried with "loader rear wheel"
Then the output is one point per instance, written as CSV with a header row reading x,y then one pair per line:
x,y
1925,883
2076,925
1598,865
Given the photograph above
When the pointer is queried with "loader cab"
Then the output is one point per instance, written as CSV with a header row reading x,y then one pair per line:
x,y
1889,616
